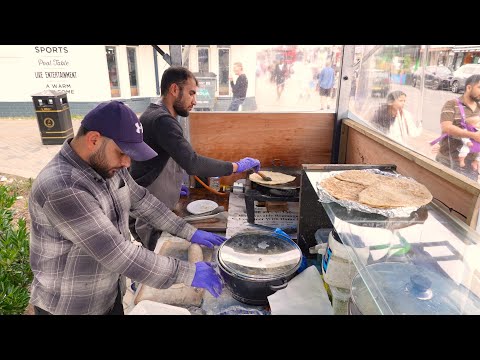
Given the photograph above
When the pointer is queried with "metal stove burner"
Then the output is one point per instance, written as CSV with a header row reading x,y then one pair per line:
x,y
284,192
263,194
281,192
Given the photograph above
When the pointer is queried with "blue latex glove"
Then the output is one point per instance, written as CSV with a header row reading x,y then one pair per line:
x,y
205,277
248,163
207,238
184,191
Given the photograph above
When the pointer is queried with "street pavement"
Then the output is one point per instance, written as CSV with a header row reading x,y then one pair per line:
x,y
21,150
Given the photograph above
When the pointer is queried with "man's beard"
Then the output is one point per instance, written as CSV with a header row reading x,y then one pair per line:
x,y
475,98
98,162
178,106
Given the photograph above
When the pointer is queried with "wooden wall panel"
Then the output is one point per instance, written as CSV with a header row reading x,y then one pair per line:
x,y
293,138
365,147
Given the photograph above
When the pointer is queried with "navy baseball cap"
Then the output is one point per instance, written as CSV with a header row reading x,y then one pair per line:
x,y
118,122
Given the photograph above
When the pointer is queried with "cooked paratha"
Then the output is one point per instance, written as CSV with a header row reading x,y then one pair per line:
x,y
395,192
360,177
277,178
342,190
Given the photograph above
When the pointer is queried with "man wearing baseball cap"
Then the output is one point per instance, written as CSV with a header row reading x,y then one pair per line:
x,y
80,247
118,122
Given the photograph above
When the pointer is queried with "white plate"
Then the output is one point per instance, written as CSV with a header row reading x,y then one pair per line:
x,y
201,206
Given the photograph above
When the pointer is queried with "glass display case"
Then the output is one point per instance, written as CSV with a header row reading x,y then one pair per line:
x,y
426,263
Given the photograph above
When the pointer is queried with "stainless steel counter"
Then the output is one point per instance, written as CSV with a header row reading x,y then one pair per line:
x,y
435,241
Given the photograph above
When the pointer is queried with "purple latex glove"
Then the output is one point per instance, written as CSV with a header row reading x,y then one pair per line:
x,y
206,238
184,191
248,163
206,278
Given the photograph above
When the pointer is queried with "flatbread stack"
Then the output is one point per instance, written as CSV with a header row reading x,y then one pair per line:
x,y
277,178
376,190
359,177
342,189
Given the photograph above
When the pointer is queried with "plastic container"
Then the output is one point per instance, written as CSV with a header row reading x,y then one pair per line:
x,y
338,268
214,183
148,307
321,235
340,299
407,289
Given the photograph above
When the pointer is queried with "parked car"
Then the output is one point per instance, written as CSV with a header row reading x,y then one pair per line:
x,y
461,74
436,77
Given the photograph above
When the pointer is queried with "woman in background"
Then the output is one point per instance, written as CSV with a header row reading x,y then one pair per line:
x,y
394,121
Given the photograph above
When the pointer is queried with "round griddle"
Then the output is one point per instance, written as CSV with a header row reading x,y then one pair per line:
x,y
292,185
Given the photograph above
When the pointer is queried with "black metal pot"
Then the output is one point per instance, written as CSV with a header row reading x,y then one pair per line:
x,y
254,265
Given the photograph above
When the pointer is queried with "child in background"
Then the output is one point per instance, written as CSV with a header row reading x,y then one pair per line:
x,y
467,143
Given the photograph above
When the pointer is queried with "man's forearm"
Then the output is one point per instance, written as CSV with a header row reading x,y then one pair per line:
x,y
456,131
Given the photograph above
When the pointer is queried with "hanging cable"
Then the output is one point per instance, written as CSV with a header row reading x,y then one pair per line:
x,y
450,209
209,188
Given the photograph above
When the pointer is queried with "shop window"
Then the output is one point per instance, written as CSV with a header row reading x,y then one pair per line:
x,y
400,91
293,86
203,60
223,70
113,71
132,70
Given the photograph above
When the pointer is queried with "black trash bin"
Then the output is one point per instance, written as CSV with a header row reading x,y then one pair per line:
x,y
207,85
53,116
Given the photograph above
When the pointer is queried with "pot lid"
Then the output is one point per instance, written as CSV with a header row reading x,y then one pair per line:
x,y
407,289
260,255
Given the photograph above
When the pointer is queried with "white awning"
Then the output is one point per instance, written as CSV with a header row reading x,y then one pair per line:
x,y
466,48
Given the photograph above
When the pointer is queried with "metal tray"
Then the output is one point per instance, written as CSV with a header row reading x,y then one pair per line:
x,y
399,212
